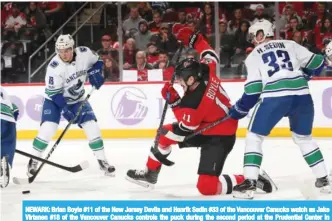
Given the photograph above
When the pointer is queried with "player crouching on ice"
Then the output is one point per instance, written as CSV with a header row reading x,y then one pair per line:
x,y
204,102
280,89
65,78
9,114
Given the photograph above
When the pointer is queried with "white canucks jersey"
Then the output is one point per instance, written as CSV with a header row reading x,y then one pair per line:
x,y
274,69
7,108
69,78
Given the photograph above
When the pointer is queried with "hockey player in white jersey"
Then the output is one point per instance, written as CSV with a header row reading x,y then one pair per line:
x,y
277,84
65,78
9,114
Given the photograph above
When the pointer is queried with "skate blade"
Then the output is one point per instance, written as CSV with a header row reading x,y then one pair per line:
x,y
326,189
266,176
110,174
140,183
249,194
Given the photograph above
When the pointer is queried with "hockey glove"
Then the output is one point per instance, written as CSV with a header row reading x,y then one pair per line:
x,y
170,94
237,112
15,112
96,78
67,114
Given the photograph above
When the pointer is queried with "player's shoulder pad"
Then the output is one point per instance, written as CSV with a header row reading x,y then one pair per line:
x,y
82,49
54,63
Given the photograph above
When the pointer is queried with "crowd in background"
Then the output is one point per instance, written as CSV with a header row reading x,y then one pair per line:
x,y
153,32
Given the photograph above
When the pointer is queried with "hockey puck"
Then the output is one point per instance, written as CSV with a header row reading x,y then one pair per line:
x,y
26,192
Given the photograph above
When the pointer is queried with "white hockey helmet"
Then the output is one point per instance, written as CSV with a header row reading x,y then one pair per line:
x,y
64,42
262,26
328,53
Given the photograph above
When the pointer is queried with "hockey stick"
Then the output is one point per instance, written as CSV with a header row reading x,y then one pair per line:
x,y
32,178
160,157
74,169
167,162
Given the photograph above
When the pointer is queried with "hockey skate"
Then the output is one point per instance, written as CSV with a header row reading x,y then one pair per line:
x,y
32,167
265,183
5,172
108,169
145,178
324,184
245,190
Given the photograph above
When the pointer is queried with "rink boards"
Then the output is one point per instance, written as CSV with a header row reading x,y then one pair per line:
x,y
133,110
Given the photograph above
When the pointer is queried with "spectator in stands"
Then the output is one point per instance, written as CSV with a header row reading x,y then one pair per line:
x,y
242,69
152,53
165,65
324,32
145,11
160,6
129,53
154,26
164,40
321,15
35,17
207,20
6,9
54,12
15,21
234,24
288,14
259,14
130,25
227,40
182,22
297,37
141,66
111,69
143,36
242,37
293,26
107,48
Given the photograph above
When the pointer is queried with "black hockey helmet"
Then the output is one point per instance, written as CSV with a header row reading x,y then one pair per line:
x,y
188,67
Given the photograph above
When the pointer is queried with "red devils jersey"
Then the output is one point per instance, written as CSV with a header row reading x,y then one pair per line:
x,y
208,102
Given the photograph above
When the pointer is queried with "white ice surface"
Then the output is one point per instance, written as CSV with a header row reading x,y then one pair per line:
x,y
282,161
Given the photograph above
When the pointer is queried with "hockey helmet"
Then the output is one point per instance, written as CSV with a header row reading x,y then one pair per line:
x,y
188,67
328,51
64,42
261,30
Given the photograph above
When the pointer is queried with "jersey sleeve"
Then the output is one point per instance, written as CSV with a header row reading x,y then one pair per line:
x,y
253,85
313,63
54,80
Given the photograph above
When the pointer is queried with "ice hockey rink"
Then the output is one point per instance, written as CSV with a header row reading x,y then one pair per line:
x,y
282,161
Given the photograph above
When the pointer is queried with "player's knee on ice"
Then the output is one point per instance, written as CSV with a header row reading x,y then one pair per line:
x,y
208,185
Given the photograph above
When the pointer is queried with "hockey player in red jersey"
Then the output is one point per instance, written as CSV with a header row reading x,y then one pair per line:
x,y
204,102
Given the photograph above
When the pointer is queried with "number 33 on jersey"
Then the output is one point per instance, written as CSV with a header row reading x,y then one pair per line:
x,y
274,69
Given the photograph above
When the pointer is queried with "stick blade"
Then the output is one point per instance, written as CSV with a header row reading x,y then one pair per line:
x,y
84,165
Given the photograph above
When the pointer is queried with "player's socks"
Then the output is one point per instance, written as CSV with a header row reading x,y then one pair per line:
x,y
97,146
253,156
39,146
312,155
